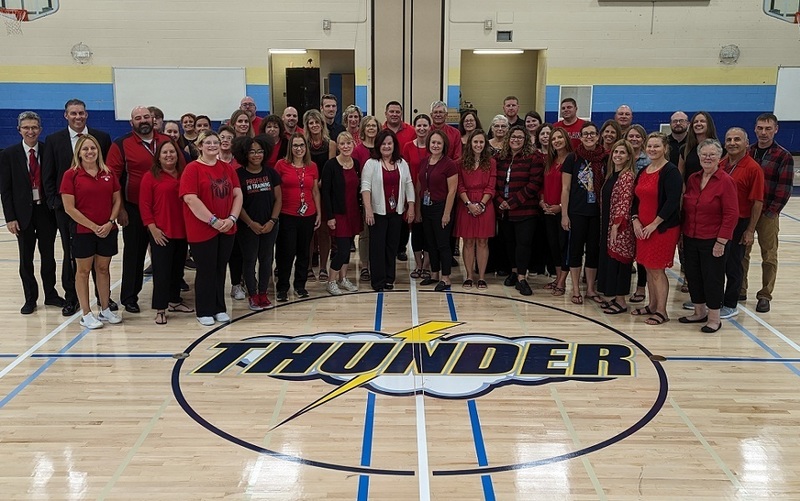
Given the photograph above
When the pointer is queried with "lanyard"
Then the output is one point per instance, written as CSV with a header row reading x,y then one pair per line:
x,y
301,178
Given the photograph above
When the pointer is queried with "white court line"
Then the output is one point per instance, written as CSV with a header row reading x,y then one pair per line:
x,y
30,351
770,328
422,434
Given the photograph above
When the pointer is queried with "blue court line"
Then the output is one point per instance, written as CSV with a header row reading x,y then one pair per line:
x,y
369,418
764,346
734,359
92,355
475,422
790,217
41,369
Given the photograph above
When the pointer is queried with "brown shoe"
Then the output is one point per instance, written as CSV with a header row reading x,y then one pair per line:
x,y
763,305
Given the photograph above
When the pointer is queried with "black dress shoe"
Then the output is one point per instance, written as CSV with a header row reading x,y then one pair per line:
x,y
69,309
429,281
711,330
511,280
28,308
114,306
763,305
524,288
402,256
442,287
131,307
55,301
149,270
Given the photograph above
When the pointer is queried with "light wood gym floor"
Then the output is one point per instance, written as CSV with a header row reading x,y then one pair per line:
x,y
112,414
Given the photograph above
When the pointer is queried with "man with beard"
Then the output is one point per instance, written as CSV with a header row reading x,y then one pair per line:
x,y
248,105
329,107
129,158
679,125
56,160
394,121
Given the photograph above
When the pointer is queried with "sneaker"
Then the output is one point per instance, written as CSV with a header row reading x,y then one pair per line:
x,y
688,305
524,288
402,256
207,321
511,280
237,292
222,317
348,285
90,322
282,296
301,293
109,316
254,303
728,312
264,301
333,289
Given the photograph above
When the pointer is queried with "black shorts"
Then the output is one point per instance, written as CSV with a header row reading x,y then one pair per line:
x,y
88,244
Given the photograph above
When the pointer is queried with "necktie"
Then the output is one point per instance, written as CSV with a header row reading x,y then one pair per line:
x,y
33,162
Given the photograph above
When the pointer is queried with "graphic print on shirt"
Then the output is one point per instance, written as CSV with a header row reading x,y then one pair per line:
x,y
586,176
258,185
220,188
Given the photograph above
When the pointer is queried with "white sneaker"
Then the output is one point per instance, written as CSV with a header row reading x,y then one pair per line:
x,y
109,316
348,285
728,312
90,322
207,321
222,317
237,292
333,289
688,305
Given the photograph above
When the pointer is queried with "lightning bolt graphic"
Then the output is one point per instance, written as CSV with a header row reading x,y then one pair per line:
x,y
424,333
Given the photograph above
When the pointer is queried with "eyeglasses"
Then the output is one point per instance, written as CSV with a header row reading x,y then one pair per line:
x,y
500,126
249,105
298,146
256,152
226,138
211,143
709,155
516,138
679,121
588,134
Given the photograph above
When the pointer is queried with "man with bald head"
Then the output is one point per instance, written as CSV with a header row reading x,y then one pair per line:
x,y
248,105
624,117
290,119
679,130
129,158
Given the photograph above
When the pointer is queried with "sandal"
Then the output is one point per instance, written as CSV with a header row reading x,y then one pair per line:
x,y
482,284
577,299
425,274
636,298
642,311
551,285
416,273
685,288
614,308
656,319
364,276
180,308
559,291
598,299
161,318
467,284
311,274
323,276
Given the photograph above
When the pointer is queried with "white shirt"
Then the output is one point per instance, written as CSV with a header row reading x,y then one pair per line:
x,y
73,136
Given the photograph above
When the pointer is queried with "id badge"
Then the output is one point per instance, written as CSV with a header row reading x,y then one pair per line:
x,y
303,208
426,198
35,194
591,197
392,202
505,192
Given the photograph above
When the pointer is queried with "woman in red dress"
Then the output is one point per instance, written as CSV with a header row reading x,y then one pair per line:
x,y
558,148
656,223
414,152
475,221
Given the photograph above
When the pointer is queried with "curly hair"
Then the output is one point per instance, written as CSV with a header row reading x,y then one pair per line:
x,y
527,145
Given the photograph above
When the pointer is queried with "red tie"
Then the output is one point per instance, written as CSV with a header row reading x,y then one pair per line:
x,y
34,167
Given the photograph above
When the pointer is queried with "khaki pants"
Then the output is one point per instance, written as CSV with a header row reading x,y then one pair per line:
x,y
767,230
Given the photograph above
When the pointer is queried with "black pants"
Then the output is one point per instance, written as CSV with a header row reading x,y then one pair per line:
x,y
340,252
211,258
236,261
293,245
42,231
259,248
418,238
641,275
734,271
136,237
517,236
68,267
405,231
584,234
541,260
168,261
556,241
384,236
615,279
437,239
705,273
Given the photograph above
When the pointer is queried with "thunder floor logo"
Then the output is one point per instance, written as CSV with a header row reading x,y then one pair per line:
x,y
460,366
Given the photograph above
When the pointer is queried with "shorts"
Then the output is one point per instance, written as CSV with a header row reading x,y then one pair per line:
x,y
88,244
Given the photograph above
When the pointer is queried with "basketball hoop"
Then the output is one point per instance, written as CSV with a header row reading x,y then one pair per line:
x,y
13,20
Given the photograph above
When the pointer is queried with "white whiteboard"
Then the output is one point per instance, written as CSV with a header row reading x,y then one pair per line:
x,y
787,94
215,92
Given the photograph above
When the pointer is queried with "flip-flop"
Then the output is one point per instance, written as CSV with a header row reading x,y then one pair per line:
x,y
551,285
656,319
598,299
614,308
161,318
559,291
180,308
638,312
636,298
577,299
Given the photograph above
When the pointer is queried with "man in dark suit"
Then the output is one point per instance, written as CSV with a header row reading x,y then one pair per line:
x,y
27,214
58,152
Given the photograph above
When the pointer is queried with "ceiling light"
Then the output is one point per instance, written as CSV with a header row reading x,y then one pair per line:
x,y
498,51
287,51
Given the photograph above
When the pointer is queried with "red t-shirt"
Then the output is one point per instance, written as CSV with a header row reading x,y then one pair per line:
x,y
94,196
291,180
573,130
273,156
434,178
414,155
213,185
551,194
405,134
749,179
159,203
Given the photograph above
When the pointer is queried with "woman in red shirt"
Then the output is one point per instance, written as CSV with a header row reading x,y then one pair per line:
x,y
213,199
91,196
558,149
710,214
414,152
162,213
299,217
272,127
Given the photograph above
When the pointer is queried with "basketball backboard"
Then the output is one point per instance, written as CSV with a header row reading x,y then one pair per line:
x,y
785,10
16,12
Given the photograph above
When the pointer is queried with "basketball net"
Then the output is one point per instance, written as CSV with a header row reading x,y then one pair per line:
x,y
13,20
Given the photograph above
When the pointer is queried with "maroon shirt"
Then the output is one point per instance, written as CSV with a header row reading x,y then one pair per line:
x,y
433,178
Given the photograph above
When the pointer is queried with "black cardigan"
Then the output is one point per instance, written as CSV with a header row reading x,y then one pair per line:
x,y
332,189
670,188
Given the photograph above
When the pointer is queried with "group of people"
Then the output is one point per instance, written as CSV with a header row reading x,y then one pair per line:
x,y
264,189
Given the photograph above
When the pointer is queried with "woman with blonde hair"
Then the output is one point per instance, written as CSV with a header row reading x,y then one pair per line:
x,y
351,119
617,242
241,125
321,149
91,196
558,149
